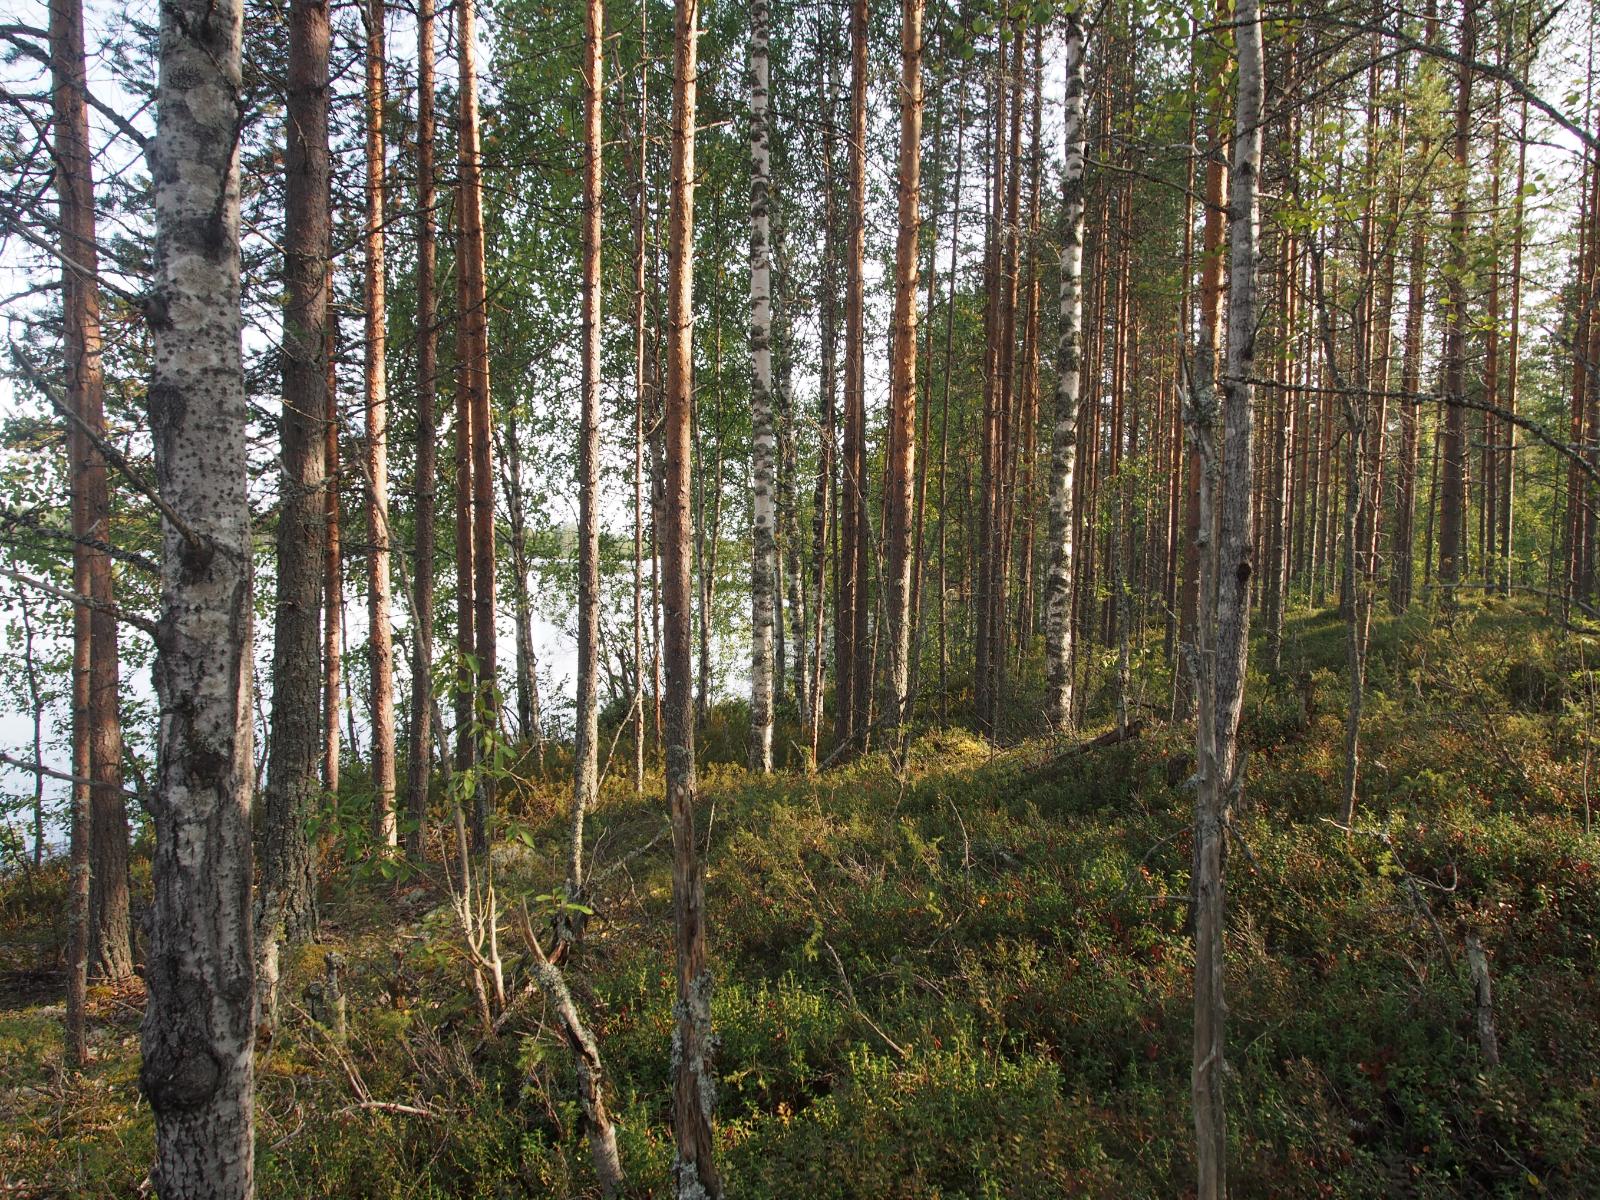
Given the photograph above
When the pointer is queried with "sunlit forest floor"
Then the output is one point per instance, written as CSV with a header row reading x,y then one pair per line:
x,y
974,982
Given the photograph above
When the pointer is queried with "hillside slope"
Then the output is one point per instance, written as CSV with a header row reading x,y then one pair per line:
x,y
975,982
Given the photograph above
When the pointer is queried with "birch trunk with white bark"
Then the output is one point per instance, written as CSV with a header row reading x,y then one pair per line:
x,y
763,457
1064,434
1225,591
198,1036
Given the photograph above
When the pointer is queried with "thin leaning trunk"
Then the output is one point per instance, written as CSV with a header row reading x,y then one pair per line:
x,y
695,1175
1064,436
198,1035
899,474
380,638
763,546
286,901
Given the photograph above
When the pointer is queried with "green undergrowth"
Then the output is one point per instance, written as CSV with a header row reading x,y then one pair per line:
x,y
975,981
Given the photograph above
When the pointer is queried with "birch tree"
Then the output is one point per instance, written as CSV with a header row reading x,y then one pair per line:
x,y
1225,601
1059,629
763,547
198,1036
586,747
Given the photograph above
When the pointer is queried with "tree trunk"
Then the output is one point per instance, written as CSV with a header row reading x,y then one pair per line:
x,y
380,639
198,1036
585,757
640,203
333,579
694,1172
763,548
100,846
1453,443
822,496
854,659
474,342
1220,769
1064,437
1508,480
899,474
286,903
418,755
1216,200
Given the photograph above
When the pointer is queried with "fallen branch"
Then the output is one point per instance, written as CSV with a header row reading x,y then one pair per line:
x,y
1111,737
385,1106
585,1061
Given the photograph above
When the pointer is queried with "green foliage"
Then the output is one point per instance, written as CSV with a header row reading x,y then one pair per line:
x,y
976,982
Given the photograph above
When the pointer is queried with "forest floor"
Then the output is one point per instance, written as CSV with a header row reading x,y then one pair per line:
x,y
974,982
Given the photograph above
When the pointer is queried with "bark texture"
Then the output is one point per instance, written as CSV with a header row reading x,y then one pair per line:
x,y
853,665
198,1034
899,475
1453,436
418,756
586,748
695,1175
473,345
100,839
286,903
763,467
380,638
1059,628
1219,766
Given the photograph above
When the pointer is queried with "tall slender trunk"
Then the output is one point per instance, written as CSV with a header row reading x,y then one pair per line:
x,y
97,738
992,452
474,345
822,497
763,549
854,665
425,482
1508,482
198,1035
1064,436
899,474
30,669
1219,767
333,567
98,940
1453,443
465,680
1210,294
585,753
286,901
694,1073
529,719
944,401
641,175
380,639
